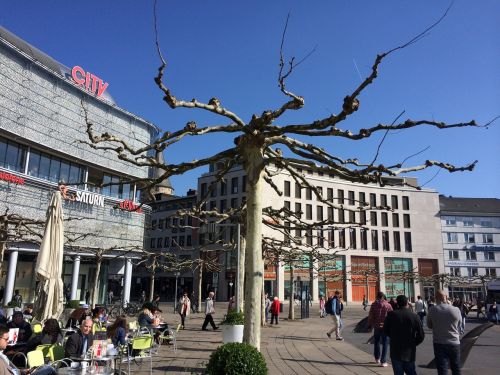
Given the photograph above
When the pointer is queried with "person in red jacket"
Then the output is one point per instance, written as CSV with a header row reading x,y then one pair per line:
x,y
275,310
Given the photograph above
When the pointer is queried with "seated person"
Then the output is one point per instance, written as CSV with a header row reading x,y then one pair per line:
x,y
28,312
51,334
5,365
76,318
24,327
117,332
99,316
145,318
80,342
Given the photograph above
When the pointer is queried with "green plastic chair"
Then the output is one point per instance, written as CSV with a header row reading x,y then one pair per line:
x,y
170,335
36,328
56,352
143,345
35,358
44,348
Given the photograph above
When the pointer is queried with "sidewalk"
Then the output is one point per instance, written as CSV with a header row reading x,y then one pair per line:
x,y
302,347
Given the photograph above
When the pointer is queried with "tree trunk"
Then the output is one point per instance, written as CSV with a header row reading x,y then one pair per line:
x,y
241,278
95,290
200,277
254,265
152,286
291,310
2,254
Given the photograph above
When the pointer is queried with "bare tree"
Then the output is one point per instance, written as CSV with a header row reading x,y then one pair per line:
x,y
257,147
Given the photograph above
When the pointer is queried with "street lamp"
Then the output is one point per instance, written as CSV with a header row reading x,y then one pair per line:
x,y
177,274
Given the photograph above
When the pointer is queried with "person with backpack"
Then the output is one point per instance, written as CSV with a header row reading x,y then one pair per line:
x,y
333,307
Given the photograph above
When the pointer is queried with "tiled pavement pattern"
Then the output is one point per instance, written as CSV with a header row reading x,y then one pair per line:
x,y
302,347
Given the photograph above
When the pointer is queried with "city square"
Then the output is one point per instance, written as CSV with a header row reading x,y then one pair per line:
x,y
131,195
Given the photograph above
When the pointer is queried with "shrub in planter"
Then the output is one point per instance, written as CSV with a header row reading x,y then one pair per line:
x,y
236,359
233,318
74,304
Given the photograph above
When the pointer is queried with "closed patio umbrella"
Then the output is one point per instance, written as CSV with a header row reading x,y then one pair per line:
x,y
49,302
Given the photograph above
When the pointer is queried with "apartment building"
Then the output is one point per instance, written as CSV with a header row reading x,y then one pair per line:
x,y
385,253
471,245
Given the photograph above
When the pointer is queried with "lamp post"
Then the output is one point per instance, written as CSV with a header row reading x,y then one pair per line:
x,y
177,274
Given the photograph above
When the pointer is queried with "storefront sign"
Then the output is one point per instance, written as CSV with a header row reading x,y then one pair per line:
x,y
128,205
82,196
467,263
92,83
11,178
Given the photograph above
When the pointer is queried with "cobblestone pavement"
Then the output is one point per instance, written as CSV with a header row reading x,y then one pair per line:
x,y
302,347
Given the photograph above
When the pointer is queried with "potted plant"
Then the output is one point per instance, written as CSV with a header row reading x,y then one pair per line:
x,y
232,327
236,359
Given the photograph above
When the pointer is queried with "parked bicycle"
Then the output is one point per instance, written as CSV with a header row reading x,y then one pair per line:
x,y
130,309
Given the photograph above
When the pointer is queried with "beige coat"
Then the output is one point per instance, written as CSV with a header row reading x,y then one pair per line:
x,y
184,305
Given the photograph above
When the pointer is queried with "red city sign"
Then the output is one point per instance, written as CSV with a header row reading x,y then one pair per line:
x,y
91,82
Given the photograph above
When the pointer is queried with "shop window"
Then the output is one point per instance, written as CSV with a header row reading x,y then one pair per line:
x,y
12,155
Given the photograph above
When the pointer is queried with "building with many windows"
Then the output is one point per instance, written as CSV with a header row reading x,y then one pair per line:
x,y
383,254
471,244
43,111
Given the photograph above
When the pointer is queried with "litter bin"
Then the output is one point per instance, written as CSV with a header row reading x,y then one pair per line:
x,y
281,307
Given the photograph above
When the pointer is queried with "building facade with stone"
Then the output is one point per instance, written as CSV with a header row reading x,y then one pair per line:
x,y
471,245
43,111
385,253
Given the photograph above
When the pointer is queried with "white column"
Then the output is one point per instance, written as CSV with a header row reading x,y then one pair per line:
x,y
381,271
348,282
74,278
315,286
11,277
127,282
281,281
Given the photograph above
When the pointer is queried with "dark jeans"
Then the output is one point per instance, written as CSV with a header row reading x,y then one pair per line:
x,y
445,353
380,339
183,318
273,317
421,316
403,367
209,319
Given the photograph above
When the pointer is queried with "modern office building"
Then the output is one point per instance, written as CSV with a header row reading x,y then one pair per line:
x,y
43,106
386,253
471,244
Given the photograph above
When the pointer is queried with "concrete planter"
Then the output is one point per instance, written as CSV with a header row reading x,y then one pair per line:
x,y
232,333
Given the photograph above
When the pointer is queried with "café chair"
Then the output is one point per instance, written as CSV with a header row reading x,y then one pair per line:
x,y
141,347
35,358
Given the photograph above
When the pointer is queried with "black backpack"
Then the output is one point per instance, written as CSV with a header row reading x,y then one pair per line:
x,y
328,306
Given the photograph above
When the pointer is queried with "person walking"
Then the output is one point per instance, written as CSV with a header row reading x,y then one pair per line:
x,y
406,332
184,308
275,310
87,297
376,317
420,309
322,312
209,310
365,302
267,306
335,311
445,320
494,312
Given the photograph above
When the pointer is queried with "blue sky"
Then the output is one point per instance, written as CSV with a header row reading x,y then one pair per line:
x,y
230,50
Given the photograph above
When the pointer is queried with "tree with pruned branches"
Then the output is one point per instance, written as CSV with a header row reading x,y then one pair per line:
x,y
264,144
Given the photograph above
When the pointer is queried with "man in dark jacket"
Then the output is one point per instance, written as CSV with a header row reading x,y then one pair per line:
x,y
405,331
80,342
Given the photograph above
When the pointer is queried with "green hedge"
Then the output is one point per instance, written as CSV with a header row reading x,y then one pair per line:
x,y
236,359
233,318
